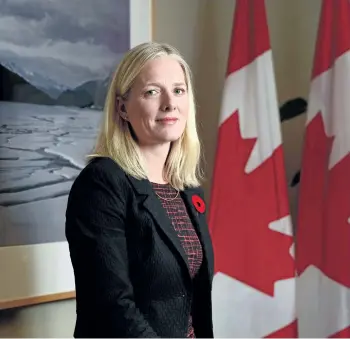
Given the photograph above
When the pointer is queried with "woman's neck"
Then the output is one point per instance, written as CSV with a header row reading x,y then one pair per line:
x,y
155,158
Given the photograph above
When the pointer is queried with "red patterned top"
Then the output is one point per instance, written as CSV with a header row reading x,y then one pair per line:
x,y
177,213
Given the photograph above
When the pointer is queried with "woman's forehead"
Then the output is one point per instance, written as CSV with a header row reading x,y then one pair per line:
x,y
161,69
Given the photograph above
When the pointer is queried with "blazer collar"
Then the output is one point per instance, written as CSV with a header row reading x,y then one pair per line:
x,y
153,205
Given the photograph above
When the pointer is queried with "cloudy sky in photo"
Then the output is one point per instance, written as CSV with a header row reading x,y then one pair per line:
x,y
68,41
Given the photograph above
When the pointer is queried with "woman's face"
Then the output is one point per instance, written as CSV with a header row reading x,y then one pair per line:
x,y
157,105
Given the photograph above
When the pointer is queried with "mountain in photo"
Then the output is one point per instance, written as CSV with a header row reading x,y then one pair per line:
x,y
19,89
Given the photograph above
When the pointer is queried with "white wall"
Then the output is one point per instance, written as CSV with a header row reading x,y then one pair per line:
x,y
201,30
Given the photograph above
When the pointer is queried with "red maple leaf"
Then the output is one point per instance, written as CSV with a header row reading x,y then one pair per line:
x,y
288,331
242,207
323,236
344,333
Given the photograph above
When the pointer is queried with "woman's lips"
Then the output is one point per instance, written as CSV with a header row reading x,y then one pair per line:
x,y
167,120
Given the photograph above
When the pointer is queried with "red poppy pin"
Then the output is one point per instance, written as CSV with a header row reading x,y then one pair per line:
x,y
198,203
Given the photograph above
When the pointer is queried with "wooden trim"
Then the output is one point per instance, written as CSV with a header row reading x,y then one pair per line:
x,y
153,6
36,300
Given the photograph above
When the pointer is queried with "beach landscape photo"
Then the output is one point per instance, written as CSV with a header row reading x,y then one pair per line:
x,y
56,59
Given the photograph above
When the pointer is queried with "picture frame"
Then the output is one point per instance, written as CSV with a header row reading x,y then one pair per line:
x,y
33,273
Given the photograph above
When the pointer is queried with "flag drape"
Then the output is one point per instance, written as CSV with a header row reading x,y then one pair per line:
x,y
323,229
254,282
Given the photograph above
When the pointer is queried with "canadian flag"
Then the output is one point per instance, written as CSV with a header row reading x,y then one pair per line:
x,y
323,234
254,283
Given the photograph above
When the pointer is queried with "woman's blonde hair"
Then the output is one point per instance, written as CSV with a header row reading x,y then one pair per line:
x,y
116,141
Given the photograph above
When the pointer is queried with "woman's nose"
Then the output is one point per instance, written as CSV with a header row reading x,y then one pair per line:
x,y
169,107
168,103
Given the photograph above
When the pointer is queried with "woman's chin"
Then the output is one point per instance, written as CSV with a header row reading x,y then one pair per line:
x,y
167,140
169,135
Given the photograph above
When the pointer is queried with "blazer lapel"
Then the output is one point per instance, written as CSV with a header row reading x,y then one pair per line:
x,y
199,222
153,205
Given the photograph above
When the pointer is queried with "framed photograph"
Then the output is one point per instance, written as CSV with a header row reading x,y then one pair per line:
x,y
56,59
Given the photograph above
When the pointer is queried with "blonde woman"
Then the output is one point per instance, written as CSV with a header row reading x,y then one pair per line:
x,y
136,217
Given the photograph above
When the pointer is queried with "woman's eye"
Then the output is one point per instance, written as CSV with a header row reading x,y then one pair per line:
x,y
179,91
151,92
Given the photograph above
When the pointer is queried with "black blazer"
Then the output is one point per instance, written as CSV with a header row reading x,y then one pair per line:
x,y
131,273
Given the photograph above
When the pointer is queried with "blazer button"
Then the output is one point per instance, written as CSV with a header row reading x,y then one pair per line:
x,y
182,295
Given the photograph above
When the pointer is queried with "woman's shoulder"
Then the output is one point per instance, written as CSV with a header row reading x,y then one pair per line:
x,y
100,187
101,170
105,165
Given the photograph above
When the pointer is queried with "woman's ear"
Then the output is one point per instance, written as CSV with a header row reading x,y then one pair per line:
x,y
121,108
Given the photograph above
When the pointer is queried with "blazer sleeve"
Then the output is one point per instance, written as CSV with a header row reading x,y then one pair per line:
x,y
95,230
